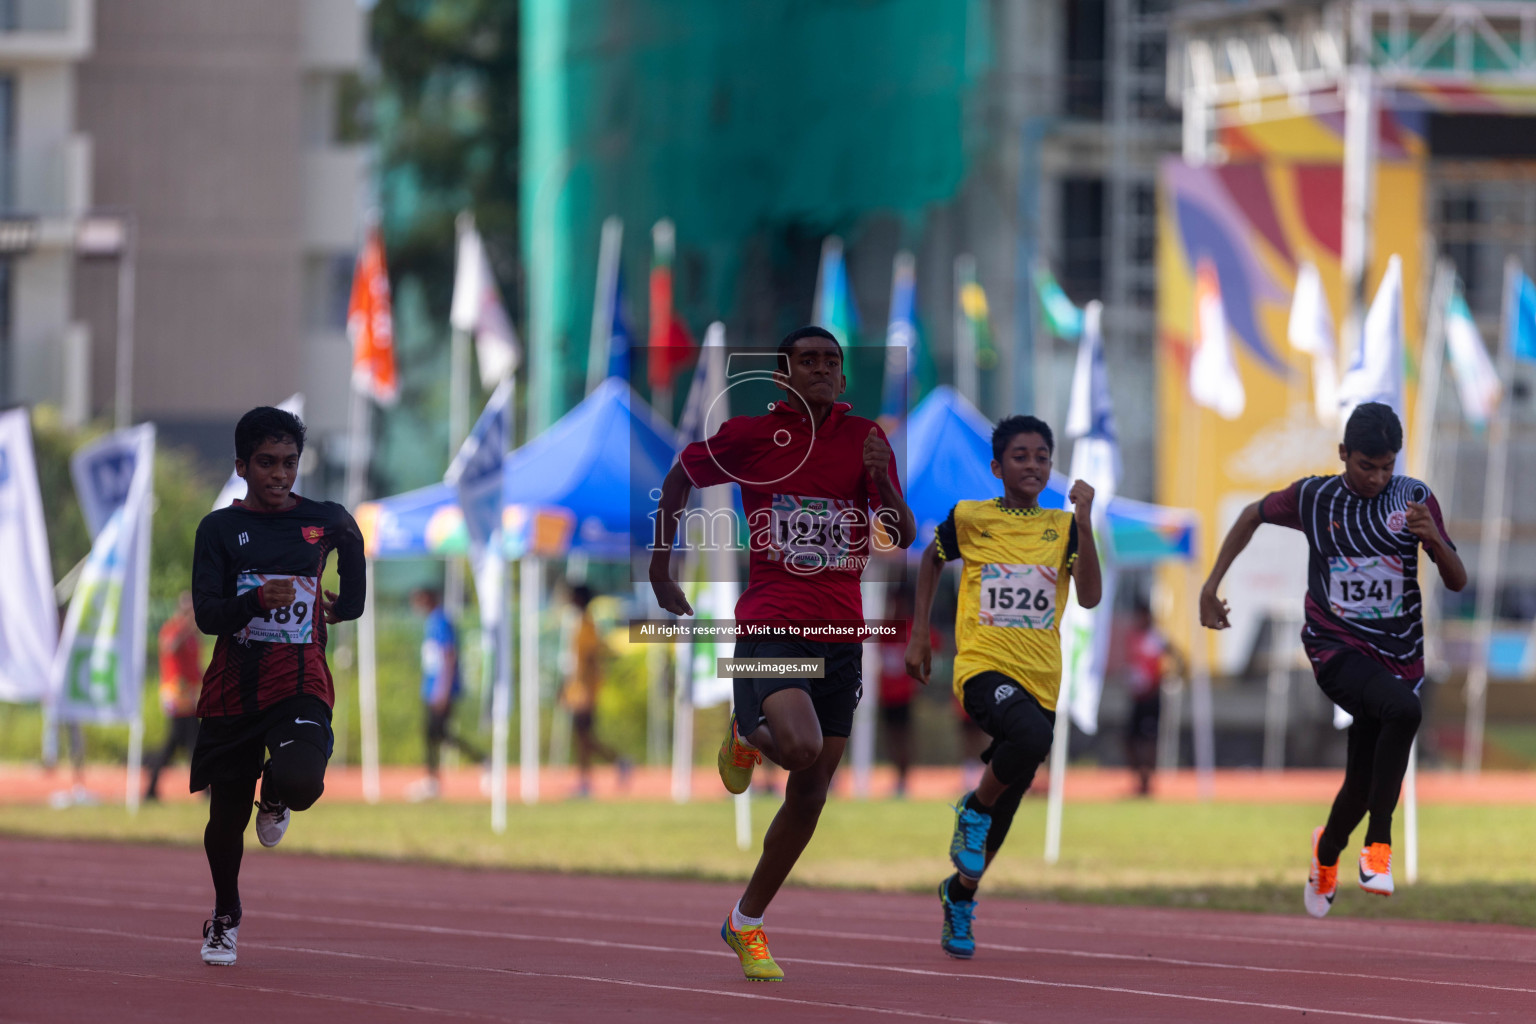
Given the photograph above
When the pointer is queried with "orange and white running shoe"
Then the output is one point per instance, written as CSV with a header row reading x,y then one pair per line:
x,y
1322,883
1376,869
736,761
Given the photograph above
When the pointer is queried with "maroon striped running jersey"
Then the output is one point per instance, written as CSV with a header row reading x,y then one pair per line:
x,y
1362,568
264,655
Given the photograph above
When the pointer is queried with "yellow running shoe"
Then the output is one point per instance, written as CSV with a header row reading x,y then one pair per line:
x,y
751,946
736,761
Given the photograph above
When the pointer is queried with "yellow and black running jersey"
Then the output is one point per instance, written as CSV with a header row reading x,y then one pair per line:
x,y
1018,562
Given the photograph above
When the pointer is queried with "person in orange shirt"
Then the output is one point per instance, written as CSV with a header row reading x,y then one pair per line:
x,y
580,693
181,680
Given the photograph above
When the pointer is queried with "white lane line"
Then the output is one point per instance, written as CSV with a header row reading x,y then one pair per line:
x,y
1206,937
459,966
322,996
922,972
693,925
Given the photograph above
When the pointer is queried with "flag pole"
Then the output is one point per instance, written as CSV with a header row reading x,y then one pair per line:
x,y
967,378
610,246
1490,546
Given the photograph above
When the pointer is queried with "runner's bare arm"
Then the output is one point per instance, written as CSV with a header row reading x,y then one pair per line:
x,y
674,498
1085,572
893,514
1452,573
1213,610
919,656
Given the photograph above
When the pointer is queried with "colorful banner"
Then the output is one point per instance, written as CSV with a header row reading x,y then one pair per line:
x,y
98,669
29,619
475,475
1257,219
370,325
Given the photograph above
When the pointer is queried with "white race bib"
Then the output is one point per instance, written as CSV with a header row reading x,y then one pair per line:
x,y
1366,588
291,624
812,533
1018,596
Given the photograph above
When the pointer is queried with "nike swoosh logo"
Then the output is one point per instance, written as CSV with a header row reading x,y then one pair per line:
x,y
1365,877
304,721
284,743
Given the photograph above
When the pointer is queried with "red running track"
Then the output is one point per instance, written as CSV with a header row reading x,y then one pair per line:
x,y
96,932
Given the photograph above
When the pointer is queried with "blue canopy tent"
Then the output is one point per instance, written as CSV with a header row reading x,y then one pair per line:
x,y
601,462
594,469
948,448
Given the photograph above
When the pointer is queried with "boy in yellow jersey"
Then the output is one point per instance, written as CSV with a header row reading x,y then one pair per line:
x,y
1018,557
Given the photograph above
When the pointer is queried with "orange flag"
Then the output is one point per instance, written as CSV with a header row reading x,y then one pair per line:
x,y
370,325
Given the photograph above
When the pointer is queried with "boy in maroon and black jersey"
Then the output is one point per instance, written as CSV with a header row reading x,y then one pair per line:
x,y
267,694
813,478
1364,629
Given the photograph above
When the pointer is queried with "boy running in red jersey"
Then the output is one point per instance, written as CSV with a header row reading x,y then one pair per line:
x,y
1364,629
810,474
267,694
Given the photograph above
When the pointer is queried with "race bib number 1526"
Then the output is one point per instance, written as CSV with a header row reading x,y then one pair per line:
x,y
1018,596
291,624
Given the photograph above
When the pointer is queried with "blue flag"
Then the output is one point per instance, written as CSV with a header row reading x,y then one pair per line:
x,y
1521,320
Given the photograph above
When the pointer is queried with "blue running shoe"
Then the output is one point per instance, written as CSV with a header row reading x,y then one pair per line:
x,y
956,939
968,846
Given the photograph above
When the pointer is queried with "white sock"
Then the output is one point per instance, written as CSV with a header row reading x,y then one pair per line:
x,y
741,922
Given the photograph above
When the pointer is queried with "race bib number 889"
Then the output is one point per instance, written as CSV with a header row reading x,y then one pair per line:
x,y
1018,596
291,624
1366,588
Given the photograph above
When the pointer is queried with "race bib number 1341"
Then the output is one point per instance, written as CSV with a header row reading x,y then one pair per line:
x,y
1018,596
1366,588
291,624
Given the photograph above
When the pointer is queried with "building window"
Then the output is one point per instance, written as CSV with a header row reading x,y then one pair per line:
x,y
1083,91
1082,238
327,291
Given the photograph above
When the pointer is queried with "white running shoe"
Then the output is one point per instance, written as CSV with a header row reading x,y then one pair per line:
x,y
219,941
1322,883
271,822
423,789
1376,869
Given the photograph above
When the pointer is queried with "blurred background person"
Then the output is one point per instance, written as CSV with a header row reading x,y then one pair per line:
x,y
181,680
579,695
440,687
897,690
1148,657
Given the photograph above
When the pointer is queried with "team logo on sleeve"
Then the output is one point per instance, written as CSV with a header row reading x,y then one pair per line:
x,y
1397,520
1049,535
313,533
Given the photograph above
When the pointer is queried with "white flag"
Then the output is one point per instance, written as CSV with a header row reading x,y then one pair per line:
x,y
1096,461
708,405
1213,378
29,619
1376,375
477,308
1311,331
234,488
98,669
1477,382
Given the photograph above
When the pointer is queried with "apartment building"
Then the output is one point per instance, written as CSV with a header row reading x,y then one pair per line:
x,y
219,134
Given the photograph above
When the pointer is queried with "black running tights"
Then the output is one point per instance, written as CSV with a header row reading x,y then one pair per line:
x,y
294,777
1387,716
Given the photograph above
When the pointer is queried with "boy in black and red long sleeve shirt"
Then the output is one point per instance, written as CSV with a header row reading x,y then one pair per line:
x,y
256,571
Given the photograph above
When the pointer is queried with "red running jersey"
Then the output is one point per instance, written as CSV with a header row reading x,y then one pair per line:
x,y
808,502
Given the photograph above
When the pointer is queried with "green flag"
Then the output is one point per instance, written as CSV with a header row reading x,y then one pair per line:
x,y
1062,318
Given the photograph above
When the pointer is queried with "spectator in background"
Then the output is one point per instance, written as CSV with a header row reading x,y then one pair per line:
x,y
181,680
440,687
584,677
1148,654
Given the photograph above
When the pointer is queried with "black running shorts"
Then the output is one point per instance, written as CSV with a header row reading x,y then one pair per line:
x,y
835,695
233,748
